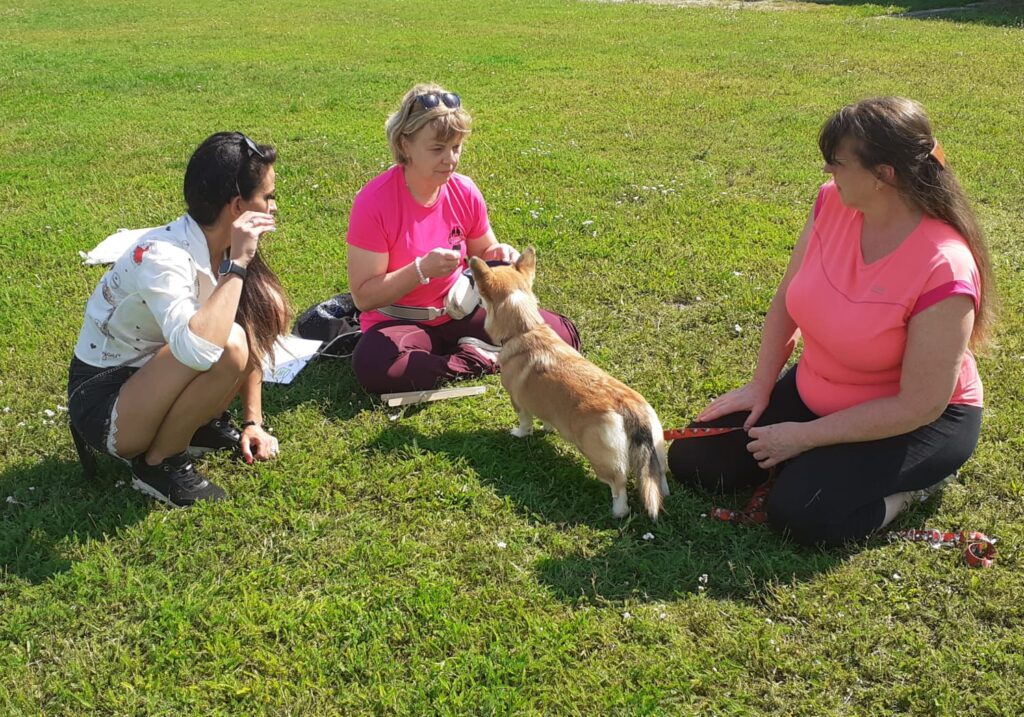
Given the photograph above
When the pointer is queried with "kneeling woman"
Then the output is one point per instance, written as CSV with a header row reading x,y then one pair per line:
x,y
888,286
179,326
411,231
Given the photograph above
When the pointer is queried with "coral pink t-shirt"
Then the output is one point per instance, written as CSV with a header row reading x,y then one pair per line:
x,y
386,219
854,316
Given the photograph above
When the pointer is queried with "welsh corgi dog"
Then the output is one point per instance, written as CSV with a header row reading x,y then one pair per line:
x,y
611,424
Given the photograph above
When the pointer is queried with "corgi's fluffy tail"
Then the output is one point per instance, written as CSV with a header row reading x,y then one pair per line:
x,y
646,451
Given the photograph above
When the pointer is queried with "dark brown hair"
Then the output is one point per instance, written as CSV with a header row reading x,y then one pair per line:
x,y
896,131
222,168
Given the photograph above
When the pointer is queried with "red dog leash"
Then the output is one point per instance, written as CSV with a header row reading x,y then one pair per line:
x,y
979,549
675,434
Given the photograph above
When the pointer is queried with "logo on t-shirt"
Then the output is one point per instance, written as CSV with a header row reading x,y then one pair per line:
x,y
455,236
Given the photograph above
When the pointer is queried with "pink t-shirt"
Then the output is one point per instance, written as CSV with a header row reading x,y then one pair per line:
x,y
386,219
854,316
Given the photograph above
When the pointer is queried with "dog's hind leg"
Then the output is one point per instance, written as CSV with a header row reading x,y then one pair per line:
x,y
616,480
525,426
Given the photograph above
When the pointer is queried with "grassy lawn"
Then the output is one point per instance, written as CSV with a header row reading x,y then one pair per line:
x,y
427,562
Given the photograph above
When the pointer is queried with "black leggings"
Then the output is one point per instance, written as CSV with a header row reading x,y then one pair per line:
x,y
833,494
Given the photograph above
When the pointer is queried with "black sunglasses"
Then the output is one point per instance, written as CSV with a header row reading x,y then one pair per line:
x,y
432,99
253,149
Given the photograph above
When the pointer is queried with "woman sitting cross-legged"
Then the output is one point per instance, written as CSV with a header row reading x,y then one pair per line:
x,y
888,285
410,233
179,326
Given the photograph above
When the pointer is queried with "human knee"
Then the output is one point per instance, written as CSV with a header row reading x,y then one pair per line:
x,y
371,369
718,465
236,350
803,516
695,467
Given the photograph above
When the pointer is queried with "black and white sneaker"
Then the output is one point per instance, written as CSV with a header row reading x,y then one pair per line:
x,y
176,482
220,434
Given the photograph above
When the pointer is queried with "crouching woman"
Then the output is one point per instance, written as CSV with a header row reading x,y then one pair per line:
x,y
179,326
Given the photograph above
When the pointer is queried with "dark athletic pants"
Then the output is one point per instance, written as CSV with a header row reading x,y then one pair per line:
x,y
406,356
834,494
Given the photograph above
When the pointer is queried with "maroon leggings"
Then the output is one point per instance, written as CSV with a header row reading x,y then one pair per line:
x,y
406,356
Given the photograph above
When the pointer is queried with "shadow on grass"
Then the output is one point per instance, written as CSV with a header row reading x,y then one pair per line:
x,y
1000,13
540,478
547,481
329,383
55,509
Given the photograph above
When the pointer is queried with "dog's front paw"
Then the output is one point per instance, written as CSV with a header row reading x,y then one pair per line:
x,y
520,432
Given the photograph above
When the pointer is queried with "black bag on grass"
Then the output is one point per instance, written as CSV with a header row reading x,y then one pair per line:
x,y
334,321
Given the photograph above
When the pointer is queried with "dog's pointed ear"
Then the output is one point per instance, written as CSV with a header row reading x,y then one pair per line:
x,y
481,274
527,263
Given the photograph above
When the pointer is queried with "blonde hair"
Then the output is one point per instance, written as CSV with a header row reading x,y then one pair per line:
x,y
896,131
411,117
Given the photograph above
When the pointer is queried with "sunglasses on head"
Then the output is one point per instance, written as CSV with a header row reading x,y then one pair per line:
x,y
431,100
251,146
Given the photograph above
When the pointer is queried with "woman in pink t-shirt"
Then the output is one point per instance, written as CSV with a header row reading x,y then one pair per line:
x,y
410,234
889,286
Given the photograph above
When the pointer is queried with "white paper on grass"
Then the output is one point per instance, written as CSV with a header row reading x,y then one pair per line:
x,y
291,354
110,249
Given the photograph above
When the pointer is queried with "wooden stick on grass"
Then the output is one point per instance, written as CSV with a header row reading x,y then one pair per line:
x,y
436,394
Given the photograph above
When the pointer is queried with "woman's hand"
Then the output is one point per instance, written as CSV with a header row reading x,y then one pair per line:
x,y
257,444
439,262
245,235
500,252
751,397
777,442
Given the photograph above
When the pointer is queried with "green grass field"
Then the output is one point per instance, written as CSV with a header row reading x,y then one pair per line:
x,y
428,562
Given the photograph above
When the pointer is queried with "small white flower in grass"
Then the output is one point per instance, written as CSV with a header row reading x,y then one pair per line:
x,y
7,409
897,576
501,544
662,615
316,186
119,484
588,222
20,424
626,616
31,487
61,409
648,536
737,328
12,501
737,273
48,413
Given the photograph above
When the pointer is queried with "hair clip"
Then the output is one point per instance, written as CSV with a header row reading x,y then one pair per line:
x,y
938,154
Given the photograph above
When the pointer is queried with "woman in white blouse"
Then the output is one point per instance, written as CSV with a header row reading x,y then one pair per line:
x,y
179,326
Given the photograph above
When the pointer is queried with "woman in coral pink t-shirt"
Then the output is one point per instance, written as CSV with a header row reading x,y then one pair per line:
x,y
410,233
888,287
